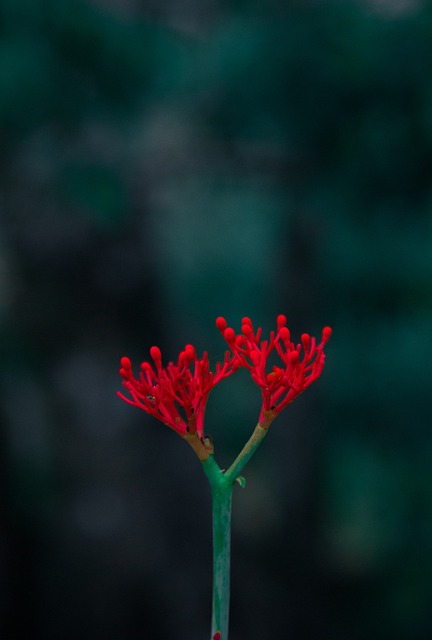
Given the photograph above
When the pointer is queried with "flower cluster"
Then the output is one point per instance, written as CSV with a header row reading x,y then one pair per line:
x,y
301,364
177,394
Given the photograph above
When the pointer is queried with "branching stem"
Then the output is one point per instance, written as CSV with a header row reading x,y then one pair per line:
x,y
222,484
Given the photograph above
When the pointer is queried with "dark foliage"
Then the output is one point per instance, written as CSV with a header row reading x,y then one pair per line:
x,y
163,163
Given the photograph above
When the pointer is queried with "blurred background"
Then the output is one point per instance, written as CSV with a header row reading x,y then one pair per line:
x,y
163,163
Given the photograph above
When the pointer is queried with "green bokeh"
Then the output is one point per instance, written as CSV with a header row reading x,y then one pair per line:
x,y
163,164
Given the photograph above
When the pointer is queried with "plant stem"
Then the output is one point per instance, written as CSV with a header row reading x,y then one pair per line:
x,y
221,495
222,485
221,490
246,453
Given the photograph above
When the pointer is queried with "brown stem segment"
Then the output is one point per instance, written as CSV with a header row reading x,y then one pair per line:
x,y
203,448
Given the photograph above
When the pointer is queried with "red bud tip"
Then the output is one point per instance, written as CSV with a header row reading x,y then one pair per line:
x,y
247,320
229,335
285,334
189,352
247,329
255,356
155,353
281,321
125,363
125,373
294,357
221,323
146,366
326,333
306,340
217,636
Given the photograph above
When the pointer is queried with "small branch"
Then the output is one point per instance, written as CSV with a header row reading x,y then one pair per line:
x,y
246,453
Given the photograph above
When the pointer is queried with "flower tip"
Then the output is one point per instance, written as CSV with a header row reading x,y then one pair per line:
x,y
294,357
306,340
221,323
189,352
255,356
125,363
217,636
246,329
281,321
155,353
326,333
229,335
284,333
125,368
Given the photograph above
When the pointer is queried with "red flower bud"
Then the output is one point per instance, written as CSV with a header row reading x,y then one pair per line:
x,y
125,362
229,335
247,329
221,323
155,353
306,341
326,333
281,321
294,357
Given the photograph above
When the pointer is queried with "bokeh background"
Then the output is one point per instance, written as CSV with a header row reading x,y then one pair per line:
x,y
163,163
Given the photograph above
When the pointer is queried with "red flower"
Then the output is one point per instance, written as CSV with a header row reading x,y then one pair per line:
x,y
177,394
300,366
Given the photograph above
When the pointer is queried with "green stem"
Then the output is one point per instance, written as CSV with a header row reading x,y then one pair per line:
x,y
222,485
221,490
246,453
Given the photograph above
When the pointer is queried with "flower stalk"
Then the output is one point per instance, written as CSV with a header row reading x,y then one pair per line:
x,y
177,395
222,484
221,492
234,471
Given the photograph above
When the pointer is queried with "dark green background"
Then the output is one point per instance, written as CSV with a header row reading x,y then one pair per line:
x,y
163,163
